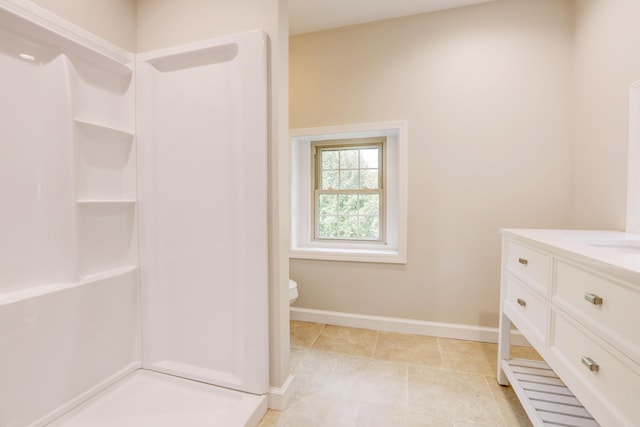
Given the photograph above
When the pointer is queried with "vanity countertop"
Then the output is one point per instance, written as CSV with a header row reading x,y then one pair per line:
x,y
615,251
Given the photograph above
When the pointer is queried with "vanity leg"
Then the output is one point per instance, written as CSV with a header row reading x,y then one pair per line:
x,y
504,345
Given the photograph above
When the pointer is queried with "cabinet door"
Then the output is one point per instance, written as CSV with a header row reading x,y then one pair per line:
x,y
529,264
526,309
610,308
604,380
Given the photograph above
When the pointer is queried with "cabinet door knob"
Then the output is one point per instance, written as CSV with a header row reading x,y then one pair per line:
x,y
593,298
590,364
522,302
523,261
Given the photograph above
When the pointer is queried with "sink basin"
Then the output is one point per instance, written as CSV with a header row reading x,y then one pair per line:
x,y
624,246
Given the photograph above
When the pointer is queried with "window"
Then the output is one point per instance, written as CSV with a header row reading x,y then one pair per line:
x,y
349,192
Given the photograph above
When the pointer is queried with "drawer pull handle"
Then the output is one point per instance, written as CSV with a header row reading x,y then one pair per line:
x,y
590,364
522,302
523,261
593,298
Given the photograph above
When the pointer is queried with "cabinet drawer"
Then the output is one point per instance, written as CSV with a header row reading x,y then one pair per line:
x,y
529,264
609,308
526,309
611,389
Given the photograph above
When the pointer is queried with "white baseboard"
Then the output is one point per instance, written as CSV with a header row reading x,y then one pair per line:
x,y
404,326
279,396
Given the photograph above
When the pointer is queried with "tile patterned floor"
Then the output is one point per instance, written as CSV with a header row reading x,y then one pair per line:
x,y
347,377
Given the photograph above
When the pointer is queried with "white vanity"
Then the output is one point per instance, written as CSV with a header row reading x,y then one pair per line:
x,y
575,295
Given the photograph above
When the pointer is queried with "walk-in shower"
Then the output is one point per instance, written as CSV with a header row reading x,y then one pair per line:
x,y
133,232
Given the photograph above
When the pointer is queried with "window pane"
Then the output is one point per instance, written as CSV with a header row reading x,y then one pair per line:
x,y
369,227
349,159
369,179
369,204
369,158
330,180
348,180
329,159
327,226
348,204
328,204
348,227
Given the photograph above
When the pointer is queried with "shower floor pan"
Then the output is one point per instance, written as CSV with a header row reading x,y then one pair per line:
x,y
150,399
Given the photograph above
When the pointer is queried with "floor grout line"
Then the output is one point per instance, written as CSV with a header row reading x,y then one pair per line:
x,y
495,399
375,345
317,336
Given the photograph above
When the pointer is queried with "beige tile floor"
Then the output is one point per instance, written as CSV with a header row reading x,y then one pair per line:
x,y
357,377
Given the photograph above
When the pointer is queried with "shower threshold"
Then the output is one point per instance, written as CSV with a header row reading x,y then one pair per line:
x,y
151,399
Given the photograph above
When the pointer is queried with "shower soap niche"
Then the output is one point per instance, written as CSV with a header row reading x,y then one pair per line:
x,y
106,130
106,236
105,162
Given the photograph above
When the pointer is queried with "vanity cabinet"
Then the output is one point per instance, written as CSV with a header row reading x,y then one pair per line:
x,y
575,296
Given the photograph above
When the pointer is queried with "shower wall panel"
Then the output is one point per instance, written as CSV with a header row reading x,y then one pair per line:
x,y
203,208
61,347
69,297
36,179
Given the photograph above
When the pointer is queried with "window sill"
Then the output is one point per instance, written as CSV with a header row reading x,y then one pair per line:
x,y
354,255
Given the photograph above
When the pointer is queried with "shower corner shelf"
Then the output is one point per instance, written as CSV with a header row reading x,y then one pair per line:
x,y
100,127
98,202
108,274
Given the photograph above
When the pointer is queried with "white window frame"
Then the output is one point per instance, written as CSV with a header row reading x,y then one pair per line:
x,y
394,248
633,183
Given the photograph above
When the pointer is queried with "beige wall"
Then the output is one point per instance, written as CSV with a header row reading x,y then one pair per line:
x,y
113,20
163,23
607,61
486,92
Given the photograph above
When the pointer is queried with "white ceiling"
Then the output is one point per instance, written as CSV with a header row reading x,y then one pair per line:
x,y
306,16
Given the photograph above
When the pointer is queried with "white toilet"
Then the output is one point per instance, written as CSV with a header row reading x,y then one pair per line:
x,y
293,291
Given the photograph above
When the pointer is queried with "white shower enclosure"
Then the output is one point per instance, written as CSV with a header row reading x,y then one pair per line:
x,y
133,228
